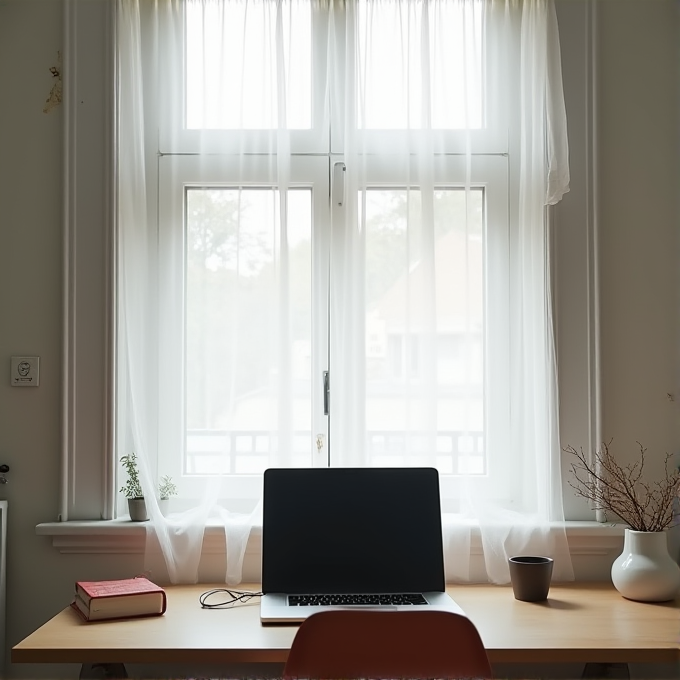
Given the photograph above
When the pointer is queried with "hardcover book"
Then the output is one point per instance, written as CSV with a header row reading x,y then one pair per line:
x,y
122,598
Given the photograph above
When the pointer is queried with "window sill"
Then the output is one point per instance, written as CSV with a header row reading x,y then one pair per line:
x,y
121,536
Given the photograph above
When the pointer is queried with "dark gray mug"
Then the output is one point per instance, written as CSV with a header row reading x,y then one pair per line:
x,y
530,577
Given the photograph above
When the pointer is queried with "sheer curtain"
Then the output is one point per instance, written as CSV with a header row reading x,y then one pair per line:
x,y
422,285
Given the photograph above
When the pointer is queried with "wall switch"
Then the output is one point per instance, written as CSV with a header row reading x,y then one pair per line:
x,y
25,372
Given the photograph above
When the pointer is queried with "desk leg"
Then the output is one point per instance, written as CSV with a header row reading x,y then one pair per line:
x,y
102,671
605,670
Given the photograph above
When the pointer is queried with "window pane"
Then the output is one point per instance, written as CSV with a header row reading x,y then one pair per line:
x,y
248,64
248,328
401,66
403,363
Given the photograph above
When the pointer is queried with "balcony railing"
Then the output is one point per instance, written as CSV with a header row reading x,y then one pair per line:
x,y
249,452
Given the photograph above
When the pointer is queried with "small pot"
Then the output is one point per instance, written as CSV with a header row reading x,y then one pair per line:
x,y
137,509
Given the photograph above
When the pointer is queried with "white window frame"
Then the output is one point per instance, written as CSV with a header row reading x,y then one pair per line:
x,y
88,458
89,255
489,172
175,138
179,172
492,138
177,168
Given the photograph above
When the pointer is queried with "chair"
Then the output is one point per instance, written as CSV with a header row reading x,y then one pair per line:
x,y
371,644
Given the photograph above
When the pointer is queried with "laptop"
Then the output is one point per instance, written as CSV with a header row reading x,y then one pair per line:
x,y
351,537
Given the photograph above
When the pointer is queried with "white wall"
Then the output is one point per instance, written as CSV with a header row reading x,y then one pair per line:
x,y
639,211
636,139
40,580
639,126
640,216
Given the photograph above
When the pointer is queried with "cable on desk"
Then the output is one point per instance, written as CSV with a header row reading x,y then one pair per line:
x,y
229,597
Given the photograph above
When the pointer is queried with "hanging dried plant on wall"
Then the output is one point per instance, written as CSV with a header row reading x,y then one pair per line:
x,y
54,98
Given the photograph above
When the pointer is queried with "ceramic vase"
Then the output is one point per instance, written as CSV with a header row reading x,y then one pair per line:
x,y
645,571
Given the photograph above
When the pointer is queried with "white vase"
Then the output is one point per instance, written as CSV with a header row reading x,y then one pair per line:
x,y
645,571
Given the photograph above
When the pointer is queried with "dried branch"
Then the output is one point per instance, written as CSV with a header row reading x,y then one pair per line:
x,y
621,489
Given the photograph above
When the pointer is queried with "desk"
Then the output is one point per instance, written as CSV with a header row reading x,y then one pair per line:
x,y
579,623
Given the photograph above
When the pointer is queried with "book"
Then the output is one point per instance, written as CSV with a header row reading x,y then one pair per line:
x,y
117,599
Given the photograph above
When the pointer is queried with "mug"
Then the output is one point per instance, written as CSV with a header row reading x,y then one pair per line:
x,y
530,577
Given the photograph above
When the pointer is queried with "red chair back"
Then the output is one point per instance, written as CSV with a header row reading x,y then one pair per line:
x,y
370,644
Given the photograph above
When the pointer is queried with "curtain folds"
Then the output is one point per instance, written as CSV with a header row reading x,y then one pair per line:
x,y
424,287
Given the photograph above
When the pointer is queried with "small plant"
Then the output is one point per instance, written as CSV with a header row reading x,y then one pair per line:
x,y
621,490
133,487
166,487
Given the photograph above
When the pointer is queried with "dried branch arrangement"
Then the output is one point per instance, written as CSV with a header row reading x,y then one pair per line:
x,y
622,491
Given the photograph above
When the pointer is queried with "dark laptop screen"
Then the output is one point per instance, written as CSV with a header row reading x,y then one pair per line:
x,y
352,530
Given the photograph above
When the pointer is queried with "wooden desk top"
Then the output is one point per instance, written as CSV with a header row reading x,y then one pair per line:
x,y
579,623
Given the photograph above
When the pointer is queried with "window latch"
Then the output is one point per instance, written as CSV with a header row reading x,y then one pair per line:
x,y
339,183
326,392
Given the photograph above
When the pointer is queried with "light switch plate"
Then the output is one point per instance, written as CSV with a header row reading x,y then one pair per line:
x,y
25,372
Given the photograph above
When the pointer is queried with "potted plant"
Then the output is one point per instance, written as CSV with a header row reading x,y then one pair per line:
x,y
132,489
644,571
166,490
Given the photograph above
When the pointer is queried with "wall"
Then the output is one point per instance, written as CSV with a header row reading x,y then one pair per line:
x,y
639,178
40,580
639,181
638,213
634,215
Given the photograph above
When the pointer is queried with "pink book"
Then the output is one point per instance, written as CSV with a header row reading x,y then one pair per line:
x,y
122,598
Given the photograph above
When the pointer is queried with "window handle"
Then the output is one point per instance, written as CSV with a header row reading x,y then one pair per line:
x,y
339,183
326,392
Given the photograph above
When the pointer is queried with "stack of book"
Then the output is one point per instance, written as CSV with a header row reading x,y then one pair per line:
x,y
122,598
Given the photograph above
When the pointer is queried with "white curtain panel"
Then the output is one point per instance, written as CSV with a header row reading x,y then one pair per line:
x,y
359,187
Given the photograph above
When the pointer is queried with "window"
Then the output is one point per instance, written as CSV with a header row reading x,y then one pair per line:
x,y
253,276
233,69
233,238
478,163
245,346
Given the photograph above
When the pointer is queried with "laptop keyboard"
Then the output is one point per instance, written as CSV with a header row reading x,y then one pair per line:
x,y
354,599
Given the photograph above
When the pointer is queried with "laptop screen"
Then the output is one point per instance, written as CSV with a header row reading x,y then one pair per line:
x,y
342,530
